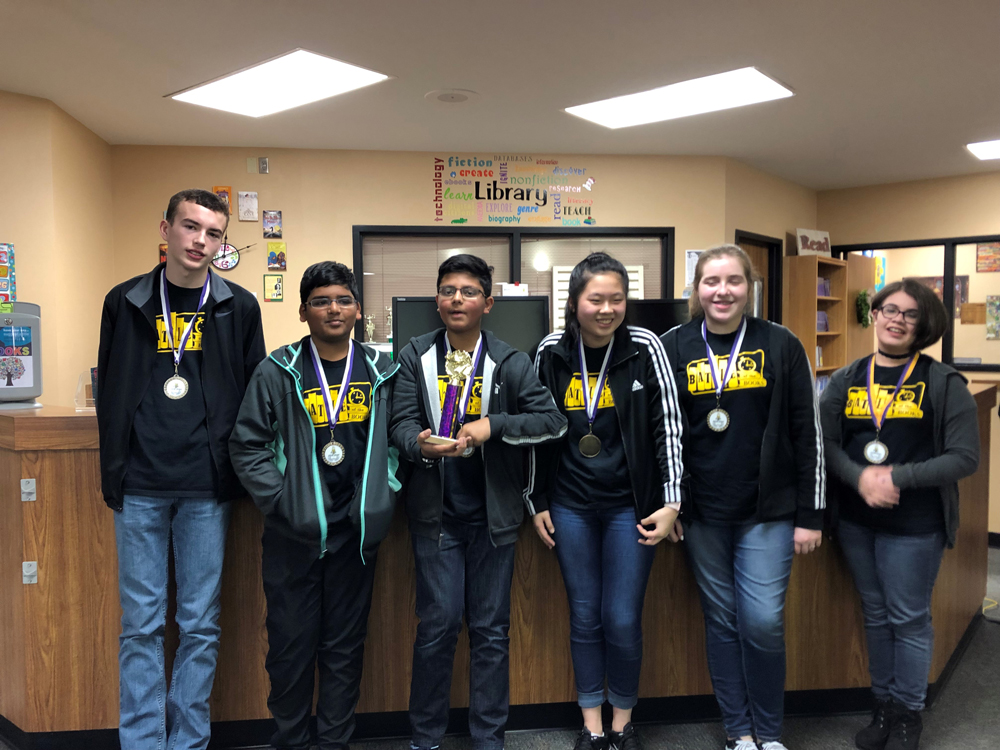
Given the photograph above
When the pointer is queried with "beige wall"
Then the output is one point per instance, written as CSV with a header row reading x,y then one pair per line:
x,y
57,211
763,204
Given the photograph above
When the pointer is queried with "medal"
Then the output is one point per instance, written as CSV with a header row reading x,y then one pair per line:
x,y
333,452
876,451
590,444
469,452
718,418
176,387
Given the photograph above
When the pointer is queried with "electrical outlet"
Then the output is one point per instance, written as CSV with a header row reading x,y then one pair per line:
x,y
29,571
262,165
28,491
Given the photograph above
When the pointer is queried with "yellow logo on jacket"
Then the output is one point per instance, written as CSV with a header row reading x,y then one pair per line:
x,y
180,321
475,400
356,406
573,398
749,373
906,406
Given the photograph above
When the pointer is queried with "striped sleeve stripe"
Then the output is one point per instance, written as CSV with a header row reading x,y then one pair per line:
x,y
548,341
820,500
672,423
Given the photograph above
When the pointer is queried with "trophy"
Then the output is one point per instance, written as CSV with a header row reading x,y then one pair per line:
x,y
388,322
370,328
458,365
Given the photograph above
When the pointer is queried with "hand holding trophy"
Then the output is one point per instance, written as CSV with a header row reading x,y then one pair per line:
x,y
460,368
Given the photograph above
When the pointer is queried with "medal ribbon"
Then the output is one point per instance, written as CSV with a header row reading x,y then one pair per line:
x,y
878,419
592,400
168,324
713,362
463,404
333,410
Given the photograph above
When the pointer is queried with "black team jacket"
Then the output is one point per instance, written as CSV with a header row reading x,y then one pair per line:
x,y
232,347
521,411
642,383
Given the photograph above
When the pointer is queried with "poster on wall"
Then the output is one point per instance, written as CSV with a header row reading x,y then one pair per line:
x,y
813,242
15,357
988,257
8,280
936,285
225,193
247,206
992,317
513,190
276,256
273,287
272,225
879,274
163,252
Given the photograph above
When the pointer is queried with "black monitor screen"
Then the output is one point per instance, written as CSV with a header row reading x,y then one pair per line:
x,y
658,315
521,322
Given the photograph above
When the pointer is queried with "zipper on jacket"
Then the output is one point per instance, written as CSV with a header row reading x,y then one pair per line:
x,y
320,507
382,377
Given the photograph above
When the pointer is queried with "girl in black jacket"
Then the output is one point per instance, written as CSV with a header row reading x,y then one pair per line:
x,y
609,491
755,487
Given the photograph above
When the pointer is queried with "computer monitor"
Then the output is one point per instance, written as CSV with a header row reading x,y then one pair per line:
x,y
658,315
522,322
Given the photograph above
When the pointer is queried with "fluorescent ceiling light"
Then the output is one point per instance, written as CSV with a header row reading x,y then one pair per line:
x,y
298,78
985,149
737,88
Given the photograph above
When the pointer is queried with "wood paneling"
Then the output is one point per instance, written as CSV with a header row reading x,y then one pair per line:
x,y
53,428
72,616
758,255
59,638
12,666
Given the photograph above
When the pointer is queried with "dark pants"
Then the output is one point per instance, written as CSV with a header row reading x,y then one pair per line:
x,y
462,572
317,610
895,577
605,570
742,573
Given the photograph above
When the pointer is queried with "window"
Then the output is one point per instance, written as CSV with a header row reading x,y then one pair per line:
x,y
977,302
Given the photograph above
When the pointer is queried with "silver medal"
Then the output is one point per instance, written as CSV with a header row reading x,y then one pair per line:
x,y
876,452
718,420
333,453
175,388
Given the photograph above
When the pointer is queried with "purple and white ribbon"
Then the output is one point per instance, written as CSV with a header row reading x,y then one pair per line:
x,y
168,324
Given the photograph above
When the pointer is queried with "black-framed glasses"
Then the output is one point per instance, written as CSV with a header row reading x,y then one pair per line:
x,y
319,303
469,292
891,311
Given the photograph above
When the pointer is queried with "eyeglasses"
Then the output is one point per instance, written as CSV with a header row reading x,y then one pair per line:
x,y
891,311
469,292
318,303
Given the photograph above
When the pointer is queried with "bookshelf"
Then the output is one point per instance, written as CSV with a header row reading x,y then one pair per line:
x,y
803,274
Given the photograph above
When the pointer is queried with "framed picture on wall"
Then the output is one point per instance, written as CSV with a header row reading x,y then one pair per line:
x,y
988,257
273,290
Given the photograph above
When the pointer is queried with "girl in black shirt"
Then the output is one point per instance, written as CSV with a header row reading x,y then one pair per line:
x,y
900,430
756,493
610,491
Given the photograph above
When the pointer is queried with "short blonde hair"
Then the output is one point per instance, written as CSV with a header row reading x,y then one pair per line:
x,y
714,253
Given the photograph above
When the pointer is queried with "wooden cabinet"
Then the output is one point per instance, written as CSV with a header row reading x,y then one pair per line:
x,y
827,350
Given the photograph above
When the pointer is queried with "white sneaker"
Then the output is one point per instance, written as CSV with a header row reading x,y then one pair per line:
x,y
774,745
741,745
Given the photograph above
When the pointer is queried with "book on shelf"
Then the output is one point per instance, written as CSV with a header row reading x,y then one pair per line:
x,y
822,381
819,356
822,322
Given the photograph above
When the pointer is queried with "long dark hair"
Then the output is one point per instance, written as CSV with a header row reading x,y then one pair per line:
x,y
583,271
933,318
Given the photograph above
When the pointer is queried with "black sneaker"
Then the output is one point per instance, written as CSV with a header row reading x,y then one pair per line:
x,y
875,735
586,741
627,739
905,731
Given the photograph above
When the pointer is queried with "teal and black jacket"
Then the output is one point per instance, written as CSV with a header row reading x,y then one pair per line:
x,y
273,449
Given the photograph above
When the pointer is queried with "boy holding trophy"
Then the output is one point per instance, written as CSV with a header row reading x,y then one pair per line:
x,y
465,405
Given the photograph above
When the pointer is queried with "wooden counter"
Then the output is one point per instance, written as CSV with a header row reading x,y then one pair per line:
x,y
59,637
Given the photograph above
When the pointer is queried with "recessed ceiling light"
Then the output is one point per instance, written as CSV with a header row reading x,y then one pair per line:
x,y
737,88
985,149
451,96
289,81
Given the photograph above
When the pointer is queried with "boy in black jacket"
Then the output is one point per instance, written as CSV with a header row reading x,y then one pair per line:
x,y
464,498
310,446
178,346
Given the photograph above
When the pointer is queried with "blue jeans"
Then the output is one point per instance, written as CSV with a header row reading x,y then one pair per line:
x,y
151,718
461,572
742,573
605,570
895,577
